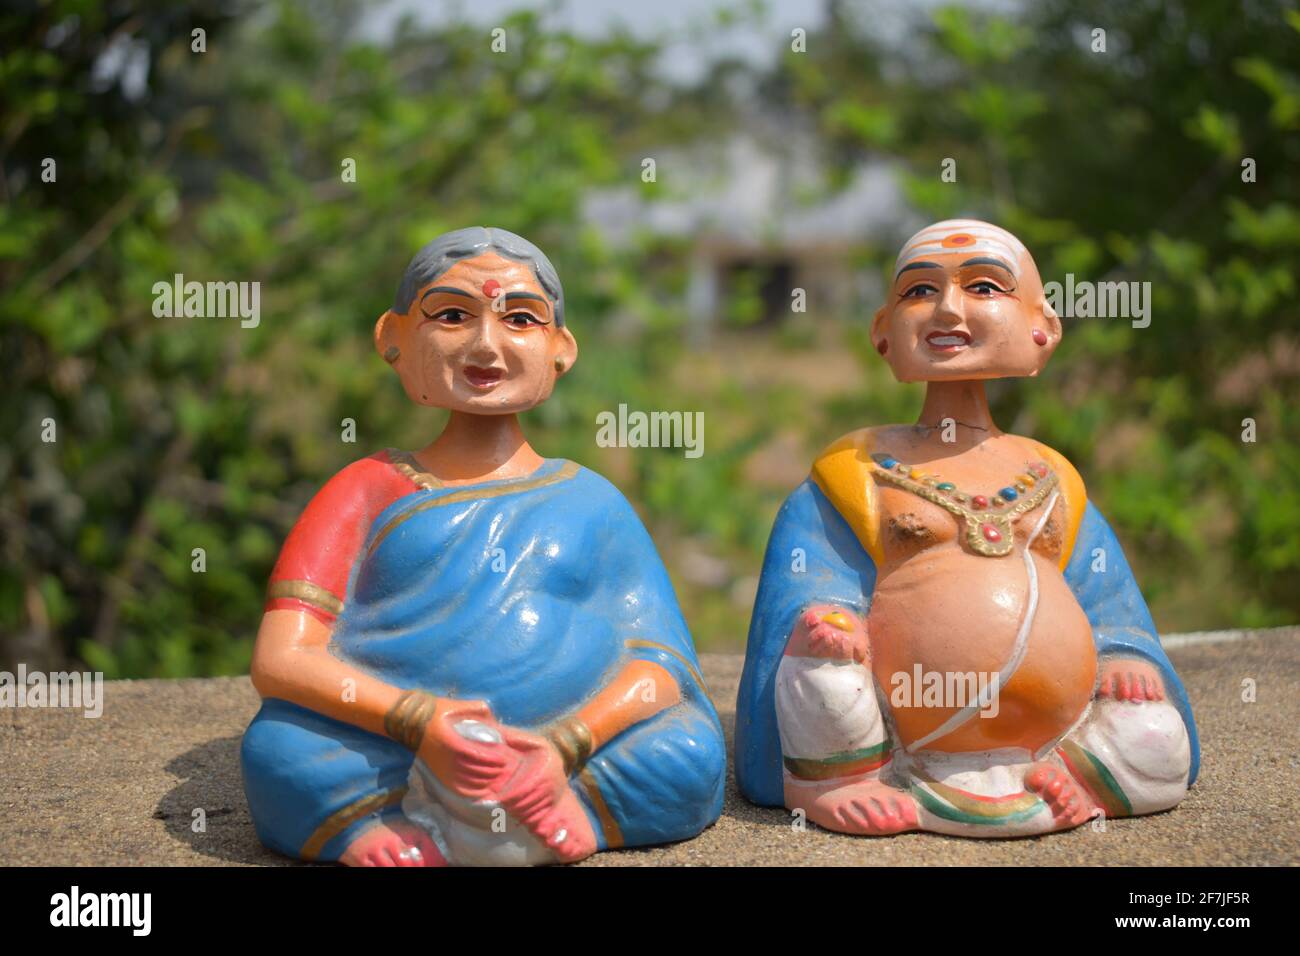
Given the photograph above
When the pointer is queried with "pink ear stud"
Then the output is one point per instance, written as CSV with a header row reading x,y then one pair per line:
x,y
1039,336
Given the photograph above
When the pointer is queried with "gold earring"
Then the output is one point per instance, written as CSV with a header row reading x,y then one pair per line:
x,y
391,354
559,365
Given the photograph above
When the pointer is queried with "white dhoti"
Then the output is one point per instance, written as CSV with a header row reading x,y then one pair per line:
x,y
1133,756
826,707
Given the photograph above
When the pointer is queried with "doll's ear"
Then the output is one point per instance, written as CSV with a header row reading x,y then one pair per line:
x,y
878,328
1053,322
566,351
386,334
1053,330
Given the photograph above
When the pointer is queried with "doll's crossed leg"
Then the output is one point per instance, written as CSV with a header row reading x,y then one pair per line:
x,y
842,770
836,747
1131,756
1125,758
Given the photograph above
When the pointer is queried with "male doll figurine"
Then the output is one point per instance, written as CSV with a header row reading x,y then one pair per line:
x,y
947,636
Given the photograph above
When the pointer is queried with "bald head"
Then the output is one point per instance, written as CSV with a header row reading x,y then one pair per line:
x,y
966,302
971,236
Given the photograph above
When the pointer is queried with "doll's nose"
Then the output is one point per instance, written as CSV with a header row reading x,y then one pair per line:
x,y
486,343
950,303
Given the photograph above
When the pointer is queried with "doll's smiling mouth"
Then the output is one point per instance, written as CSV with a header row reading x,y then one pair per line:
x,y
953,340
483,378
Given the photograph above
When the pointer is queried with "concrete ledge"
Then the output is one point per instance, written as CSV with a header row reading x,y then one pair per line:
x,y
122,789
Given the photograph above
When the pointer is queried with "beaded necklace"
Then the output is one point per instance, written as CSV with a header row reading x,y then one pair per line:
x,y
986,521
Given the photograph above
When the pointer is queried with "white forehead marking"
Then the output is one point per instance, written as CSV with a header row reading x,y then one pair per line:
x,y
982,238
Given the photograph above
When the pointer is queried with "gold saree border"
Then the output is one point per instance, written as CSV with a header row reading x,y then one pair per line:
x,y
613,833
406,464
636,643
308,593
567,471
340,820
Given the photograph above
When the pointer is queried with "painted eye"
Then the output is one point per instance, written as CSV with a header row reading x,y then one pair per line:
x,y
522,320
984,287
451,316
919,290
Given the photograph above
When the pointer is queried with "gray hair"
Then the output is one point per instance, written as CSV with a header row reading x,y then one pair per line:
x,y
449,248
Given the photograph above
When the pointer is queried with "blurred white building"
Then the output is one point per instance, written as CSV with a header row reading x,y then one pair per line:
x,y
762,216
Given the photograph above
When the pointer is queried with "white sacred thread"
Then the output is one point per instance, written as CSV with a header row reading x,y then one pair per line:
x,y
1018,650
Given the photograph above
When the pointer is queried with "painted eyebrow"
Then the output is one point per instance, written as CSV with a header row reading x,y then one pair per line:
x,y
524,295
987,261
918,265
450,290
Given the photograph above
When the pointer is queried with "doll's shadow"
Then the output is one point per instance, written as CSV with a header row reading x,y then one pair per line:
x,y
210,781
734,805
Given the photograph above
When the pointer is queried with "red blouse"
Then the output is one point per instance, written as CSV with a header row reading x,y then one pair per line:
x,y
312,571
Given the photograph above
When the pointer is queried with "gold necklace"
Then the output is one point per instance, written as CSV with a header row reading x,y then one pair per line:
x,y
987,523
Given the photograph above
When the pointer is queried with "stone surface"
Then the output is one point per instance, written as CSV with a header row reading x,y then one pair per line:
x,y
122,789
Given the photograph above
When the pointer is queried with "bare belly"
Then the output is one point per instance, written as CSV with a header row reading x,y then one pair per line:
x,y
956,613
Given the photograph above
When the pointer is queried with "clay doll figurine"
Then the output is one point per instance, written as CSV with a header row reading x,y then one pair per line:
x,y
947,636
472,654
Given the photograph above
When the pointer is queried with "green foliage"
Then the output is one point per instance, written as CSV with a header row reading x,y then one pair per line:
x,y
183,433
175,434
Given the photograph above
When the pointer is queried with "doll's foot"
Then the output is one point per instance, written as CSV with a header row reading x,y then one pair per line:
x,y
539,797
1070,806
1130,680
564,828
865,808
395,841
523,773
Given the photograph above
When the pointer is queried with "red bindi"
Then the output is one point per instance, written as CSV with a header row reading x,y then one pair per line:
x,y
491,288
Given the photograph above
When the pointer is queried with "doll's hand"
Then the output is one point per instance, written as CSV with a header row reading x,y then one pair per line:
x,y
481,759
830,631
1126,678
465,748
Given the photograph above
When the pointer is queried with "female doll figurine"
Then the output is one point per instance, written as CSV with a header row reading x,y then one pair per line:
x,y
472,654
947,636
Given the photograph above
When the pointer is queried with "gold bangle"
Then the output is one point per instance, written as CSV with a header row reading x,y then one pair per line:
x,y
572,738
406,719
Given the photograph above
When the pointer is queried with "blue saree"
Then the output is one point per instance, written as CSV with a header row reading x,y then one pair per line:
x,y
529,594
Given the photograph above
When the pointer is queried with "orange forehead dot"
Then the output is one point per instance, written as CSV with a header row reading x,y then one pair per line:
x,y
959,239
